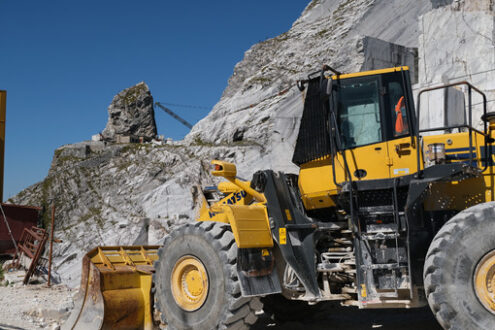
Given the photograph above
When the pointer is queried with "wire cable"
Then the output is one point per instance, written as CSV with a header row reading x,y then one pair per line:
x,y
186,106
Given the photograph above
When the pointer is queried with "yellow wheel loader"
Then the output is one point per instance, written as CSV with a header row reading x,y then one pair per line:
x,y
383,214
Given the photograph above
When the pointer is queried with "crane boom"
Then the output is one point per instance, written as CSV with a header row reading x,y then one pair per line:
x,y
173,114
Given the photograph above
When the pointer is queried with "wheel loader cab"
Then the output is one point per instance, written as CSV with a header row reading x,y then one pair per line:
x,y
370,109
369,133
374,120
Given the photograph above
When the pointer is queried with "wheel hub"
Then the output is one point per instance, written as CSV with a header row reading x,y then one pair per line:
x,y
484,281
189,283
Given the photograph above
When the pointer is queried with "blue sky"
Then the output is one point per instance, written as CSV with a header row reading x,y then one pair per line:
x,y
62,62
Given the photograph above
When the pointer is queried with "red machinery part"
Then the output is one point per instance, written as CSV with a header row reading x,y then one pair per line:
x,y
18,217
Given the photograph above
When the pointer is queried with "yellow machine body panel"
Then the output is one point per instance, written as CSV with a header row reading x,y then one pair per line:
x,y
371,158
315,184
456,146
250,225
402,157
458,195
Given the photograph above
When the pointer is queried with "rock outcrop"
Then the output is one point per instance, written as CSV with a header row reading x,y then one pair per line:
x,y
131,114
107,194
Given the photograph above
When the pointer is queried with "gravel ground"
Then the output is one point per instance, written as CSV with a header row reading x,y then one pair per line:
x,y
36,306
33,306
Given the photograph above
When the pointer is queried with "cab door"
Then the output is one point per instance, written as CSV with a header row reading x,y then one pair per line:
x,y
368,162
397,99
362,130
403,155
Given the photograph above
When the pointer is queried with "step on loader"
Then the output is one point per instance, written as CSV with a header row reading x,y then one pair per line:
x,y
383,214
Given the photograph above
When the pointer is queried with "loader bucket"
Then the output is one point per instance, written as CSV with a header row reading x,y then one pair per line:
x,y
115,290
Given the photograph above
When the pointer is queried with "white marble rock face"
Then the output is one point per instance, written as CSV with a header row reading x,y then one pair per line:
x,y
106,194
457,43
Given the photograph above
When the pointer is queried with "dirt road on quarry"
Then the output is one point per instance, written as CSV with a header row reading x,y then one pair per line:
x,y
39,307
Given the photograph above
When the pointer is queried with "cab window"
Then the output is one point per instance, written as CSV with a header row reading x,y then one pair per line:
x,y
358,104
397,108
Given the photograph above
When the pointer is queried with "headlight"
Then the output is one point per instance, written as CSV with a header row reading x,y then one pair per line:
x,y
436,153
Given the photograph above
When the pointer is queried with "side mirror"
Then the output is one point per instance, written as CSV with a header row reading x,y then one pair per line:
x,y
224,169
455,107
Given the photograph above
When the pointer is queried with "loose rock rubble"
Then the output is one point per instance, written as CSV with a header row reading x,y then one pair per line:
x,y
33,306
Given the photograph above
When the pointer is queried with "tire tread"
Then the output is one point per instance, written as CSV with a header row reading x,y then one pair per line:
x,y
239,312
439,251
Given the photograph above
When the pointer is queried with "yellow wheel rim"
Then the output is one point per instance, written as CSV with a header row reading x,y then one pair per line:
x,y
189,283
484,281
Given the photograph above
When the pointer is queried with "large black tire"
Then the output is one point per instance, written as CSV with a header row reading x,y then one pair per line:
x,y
281,309
224,308
450,266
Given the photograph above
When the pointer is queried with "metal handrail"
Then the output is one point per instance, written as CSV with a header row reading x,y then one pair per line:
x,y
469,126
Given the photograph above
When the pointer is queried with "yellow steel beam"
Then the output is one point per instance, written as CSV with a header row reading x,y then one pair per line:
x,y
3,110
